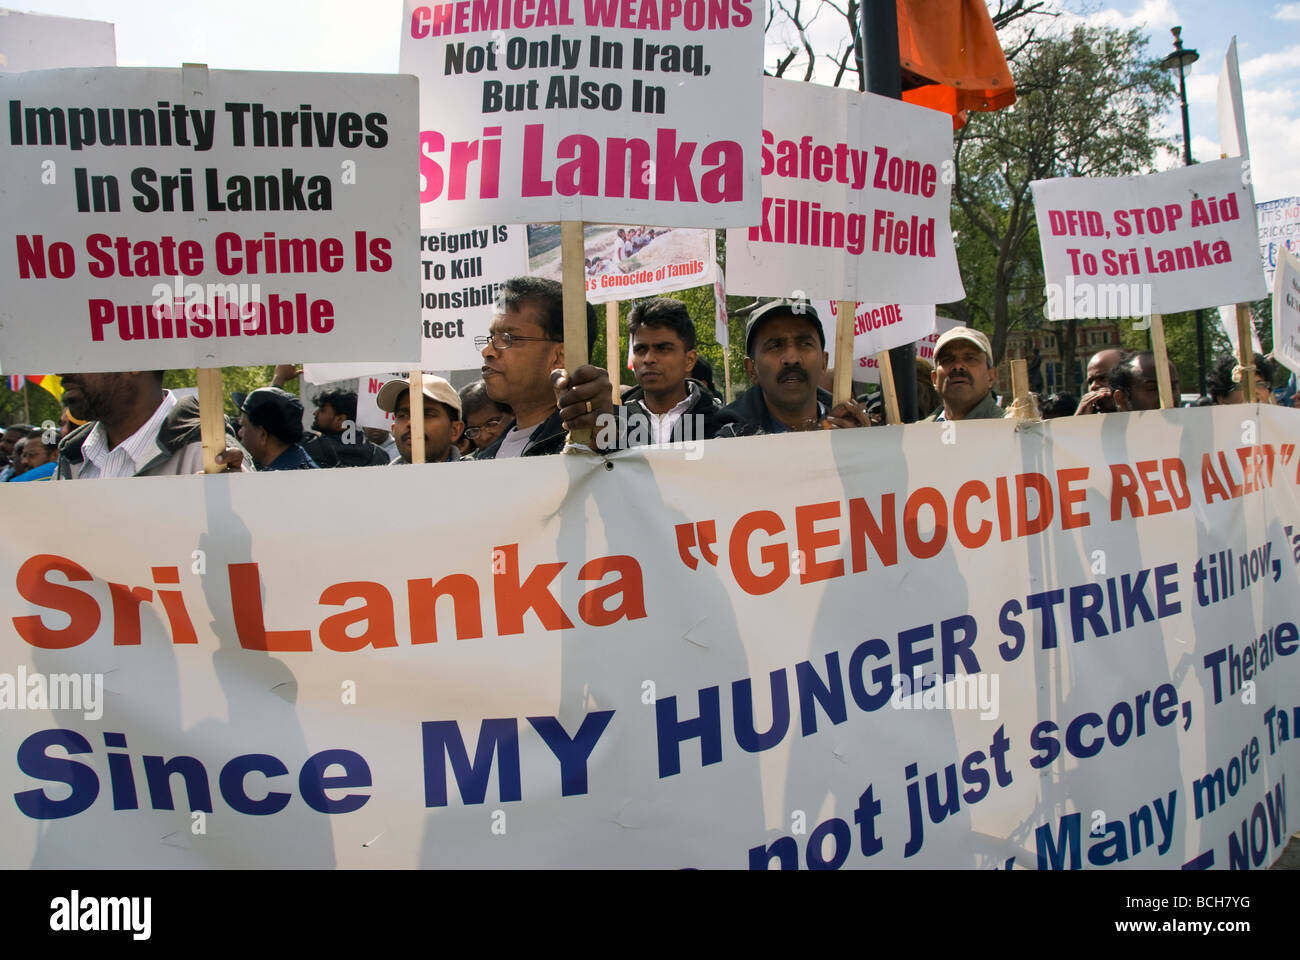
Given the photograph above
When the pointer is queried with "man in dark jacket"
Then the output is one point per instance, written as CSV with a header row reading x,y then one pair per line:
x,y
270,428
665,406
523,367
785,356
341,443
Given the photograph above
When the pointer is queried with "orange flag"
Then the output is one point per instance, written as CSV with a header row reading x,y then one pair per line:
x,y
951,58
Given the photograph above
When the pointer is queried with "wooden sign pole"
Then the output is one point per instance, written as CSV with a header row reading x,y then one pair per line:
x,y
843,378
1245,353
574,273
726,370
612,358
212,424
417,416
1157,332
1022,403
888,387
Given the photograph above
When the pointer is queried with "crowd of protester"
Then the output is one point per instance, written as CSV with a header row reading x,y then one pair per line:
x,y
127,424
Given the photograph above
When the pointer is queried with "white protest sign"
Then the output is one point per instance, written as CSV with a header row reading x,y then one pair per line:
x,y
1279,229
1232,113
856,190
589,110
186,218
868,370
894,656
368,412
461,274
1160,243
876,327
1228,320
1286,311
627,262
34,41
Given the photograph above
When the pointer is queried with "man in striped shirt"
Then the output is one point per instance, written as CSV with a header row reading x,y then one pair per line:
x,y
135,429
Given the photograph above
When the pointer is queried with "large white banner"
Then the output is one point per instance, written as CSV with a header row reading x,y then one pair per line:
x,y
1286,311
184,218
855,200
587,110
665,664
1159,243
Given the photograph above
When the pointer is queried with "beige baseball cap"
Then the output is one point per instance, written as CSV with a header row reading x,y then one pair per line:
x,y
964,333
435,388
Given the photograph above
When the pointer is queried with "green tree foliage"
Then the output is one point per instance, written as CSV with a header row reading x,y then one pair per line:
x,y
1087,103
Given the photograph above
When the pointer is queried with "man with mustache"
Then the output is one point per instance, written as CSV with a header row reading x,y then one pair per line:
x,y
785,356
523,367
964,375
135,428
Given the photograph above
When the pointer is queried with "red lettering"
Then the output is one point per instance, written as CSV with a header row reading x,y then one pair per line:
x,y
629,586
250,624
811,540
772,553
376,612
514,599
34,587
422,601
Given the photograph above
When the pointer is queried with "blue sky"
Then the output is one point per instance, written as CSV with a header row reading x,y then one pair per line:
x,y
1268,48
362,35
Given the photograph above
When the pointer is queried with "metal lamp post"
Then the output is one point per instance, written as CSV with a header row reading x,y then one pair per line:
x,y
1179,60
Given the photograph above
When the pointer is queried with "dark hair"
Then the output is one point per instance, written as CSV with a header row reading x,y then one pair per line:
x,y
1219,382
24,427
1124,374
474,397
343,401
663,312
276,411
548,295
1060,405
703,372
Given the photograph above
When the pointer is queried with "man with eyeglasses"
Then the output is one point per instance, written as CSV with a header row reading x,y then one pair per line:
x,y
523,367
442,422
1133,381
485,419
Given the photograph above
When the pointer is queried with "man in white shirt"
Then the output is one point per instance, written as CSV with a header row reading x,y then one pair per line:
x,y
135,429
666,405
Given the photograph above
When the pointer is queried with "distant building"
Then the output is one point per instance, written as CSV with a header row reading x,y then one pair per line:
x,y
1093,335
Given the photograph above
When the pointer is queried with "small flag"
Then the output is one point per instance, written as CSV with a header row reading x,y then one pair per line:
x,y
50,383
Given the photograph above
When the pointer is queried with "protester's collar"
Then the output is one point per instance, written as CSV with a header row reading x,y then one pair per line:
x,y
141,446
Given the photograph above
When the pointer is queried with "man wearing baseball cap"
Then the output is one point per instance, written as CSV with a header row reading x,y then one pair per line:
x,y
785,356
442,420
963,376
270,426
